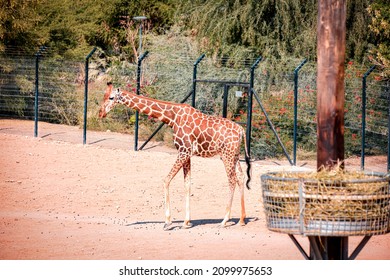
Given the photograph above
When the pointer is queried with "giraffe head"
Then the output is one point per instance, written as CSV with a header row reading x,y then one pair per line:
x,y
110,99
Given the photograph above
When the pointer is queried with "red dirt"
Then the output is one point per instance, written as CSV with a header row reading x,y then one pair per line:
x,y
64,200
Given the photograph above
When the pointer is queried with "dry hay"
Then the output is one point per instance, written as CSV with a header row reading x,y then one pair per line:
x,y
331,203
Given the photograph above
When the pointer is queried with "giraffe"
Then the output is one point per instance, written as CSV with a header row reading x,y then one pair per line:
x,y
194,134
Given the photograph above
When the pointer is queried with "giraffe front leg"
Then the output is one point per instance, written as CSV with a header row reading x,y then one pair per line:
x,y
187,185
176,167
167,203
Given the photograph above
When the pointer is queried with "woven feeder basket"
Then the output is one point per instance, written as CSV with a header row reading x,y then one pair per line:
x,y
306,204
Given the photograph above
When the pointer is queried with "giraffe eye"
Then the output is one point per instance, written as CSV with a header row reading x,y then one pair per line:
x,y
111,98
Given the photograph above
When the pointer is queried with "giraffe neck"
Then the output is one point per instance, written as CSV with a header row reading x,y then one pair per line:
x,y
164,111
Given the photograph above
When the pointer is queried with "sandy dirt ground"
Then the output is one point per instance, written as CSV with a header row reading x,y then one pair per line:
x,y
60,199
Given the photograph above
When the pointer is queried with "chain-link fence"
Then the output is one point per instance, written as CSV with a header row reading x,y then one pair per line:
x,y
170,76
58,83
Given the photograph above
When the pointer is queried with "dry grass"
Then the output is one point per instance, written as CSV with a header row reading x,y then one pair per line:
x,y
334,197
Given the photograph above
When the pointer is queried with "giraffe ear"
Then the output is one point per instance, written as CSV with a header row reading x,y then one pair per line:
x,y
108,90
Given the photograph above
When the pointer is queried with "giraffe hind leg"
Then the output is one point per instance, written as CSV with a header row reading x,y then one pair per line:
x,y
232,178
232,166
228,208
187,184
240,181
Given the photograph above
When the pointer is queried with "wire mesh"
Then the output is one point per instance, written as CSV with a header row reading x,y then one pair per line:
x,y
294,203
168,75
59,88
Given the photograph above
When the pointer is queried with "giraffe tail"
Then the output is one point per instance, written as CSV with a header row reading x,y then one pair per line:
x,y
248,164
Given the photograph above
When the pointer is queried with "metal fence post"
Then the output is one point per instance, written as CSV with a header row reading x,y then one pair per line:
x,y
296,109
225,100
193,104
250,101
140,59
86,95
36,117
364,97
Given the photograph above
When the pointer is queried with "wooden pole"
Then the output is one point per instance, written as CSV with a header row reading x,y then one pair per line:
x,y
330,81
331,32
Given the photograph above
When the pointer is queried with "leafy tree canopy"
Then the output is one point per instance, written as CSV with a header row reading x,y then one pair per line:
x,y
17,23
380,26
222,27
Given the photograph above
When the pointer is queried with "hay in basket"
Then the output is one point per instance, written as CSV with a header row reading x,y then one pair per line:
x,y
327,203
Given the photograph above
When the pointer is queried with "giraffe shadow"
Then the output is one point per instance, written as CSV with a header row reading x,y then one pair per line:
x,y
195,223
135,224
217,222
179,223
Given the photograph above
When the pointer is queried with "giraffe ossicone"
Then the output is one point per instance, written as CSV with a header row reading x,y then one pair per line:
x,y
194,134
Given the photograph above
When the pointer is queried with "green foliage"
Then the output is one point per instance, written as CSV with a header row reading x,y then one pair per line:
x,y
17,22
224,28
70,28
380,26
359,35
272,28
276,29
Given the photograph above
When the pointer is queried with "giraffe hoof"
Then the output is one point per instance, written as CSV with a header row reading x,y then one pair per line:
x,y
242,222
226,224
168,226
187,225
222,225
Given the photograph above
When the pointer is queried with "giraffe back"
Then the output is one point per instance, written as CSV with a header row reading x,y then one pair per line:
x,y
205,135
